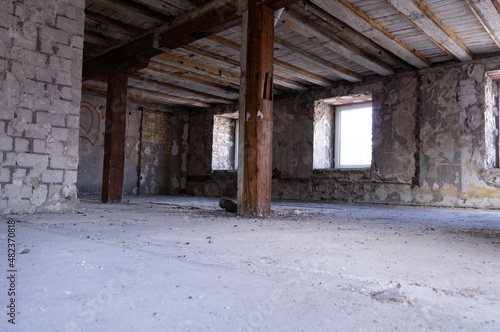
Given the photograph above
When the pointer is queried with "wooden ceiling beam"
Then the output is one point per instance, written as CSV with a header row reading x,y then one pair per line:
x,y
422,18
354,35
192,79
137,9
488,14
360,21
176,99
124,27
337,70
198,94
104,38
280,66
310,29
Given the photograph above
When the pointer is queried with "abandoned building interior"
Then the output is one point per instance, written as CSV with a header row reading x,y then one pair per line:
x,y
302,111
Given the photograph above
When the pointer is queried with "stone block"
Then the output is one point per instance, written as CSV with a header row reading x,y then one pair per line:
x,y
60,133
57,120
6,143
19,174
54,35
38,131
10,159
42,104
64,51
70,177
12,191
21,145
4,175
58,162
44,75
31,159
7,114
77,42
73,121
39,146
52,176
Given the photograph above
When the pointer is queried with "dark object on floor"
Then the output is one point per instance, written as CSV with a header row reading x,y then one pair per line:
x,y
228,204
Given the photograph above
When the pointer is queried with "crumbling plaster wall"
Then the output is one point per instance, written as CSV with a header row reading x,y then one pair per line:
x,y
155,147
223,143
429,142
41,51
202,180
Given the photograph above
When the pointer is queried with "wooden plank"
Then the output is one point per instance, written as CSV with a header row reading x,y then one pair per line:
x,y
181,100
280,66
311,29
112,22
337,70
488,15
189,78
354,35
138,9
212,97
104,38
114,138
421,17
358,20
255,171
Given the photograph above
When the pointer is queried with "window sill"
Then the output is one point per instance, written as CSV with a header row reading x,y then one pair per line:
x,y
344,174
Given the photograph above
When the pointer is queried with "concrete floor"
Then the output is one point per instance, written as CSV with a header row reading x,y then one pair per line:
x,y
182,264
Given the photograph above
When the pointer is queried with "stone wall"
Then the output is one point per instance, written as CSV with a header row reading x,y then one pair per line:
x,y
223,143
155,148
92,124
431,142
40,78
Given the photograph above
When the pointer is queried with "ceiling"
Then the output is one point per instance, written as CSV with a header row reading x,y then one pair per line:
x,y
317,42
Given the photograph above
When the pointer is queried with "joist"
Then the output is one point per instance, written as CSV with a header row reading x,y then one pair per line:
x,y
311,29
281,67
173,99
488,14
124,27
431,26
360,21
209,97
137,9
337,70
352,34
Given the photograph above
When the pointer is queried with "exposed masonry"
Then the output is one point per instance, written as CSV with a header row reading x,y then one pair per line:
x,y
40,78
223,143
155,148
431,143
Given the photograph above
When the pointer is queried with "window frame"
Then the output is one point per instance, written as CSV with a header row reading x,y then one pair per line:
x,y
338,130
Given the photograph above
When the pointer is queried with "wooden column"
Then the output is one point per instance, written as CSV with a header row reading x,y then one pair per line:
x,y
114,137
256,112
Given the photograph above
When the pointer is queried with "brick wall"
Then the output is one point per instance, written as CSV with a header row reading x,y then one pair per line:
x,y
40,78
156,153
223,143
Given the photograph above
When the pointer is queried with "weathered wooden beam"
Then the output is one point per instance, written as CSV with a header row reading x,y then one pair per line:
x,y
281,66
488,14
130,56
421,17
256,112
360,21
114,138
354,35
308,28
106,39
136,8
337,70
171,98
209,97
99,18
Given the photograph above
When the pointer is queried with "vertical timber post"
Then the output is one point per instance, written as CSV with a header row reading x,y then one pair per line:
x,y
114,137
256,112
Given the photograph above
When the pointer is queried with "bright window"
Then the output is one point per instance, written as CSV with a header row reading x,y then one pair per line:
x,y
353,136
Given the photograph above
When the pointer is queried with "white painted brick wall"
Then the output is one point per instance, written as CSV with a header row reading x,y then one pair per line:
x,y
52,176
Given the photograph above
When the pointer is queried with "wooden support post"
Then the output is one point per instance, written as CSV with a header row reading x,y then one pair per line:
x,y
114,137
256,111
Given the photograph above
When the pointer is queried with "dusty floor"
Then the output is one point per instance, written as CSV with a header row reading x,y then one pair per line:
x,y
182,264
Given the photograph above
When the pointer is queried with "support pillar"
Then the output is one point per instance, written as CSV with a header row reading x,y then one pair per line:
x,y
256,112
114,137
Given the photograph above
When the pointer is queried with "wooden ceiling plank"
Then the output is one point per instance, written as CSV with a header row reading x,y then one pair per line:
x,y
360,21
96,35
309,29
199,94
421,17
99,18
338,71
488,14
181,100
137,9
191,72
353,34
193,79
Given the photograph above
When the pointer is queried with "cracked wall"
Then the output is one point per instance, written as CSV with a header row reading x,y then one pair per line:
x,y
431,142
40,78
